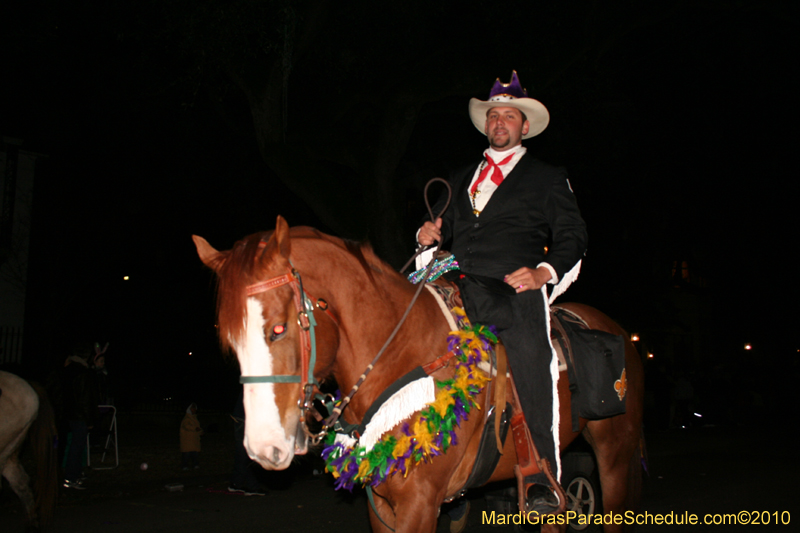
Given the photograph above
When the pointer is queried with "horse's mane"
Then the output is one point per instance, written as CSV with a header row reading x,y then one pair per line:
x,y
236,269
240,266
368,261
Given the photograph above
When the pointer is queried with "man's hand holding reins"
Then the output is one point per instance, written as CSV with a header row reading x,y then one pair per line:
x,y
430,233
526,278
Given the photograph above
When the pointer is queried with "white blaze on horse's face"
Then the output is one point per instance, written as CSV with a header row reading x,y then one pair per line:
x,y
265,438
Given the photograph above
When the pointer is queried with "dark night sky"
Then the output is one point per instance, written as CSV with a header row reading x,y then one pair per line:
x,y
676,124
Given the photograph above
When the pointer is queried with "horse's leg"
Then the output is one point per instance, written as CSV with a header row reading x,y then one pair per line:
x,y
410,508
554,528
20,484
381,516
418,516
615,444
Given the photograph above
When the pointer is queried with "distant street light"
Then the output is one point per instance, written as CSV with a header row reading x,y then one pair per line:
x,y
634,337
748,346
126,278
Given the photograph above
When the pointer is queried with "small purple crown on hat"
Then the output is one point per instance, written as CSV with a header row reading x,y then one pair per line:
x,y
510,90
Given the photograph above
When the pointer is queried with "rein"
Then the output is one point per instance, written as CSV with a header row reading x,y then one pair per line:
x,y
339,407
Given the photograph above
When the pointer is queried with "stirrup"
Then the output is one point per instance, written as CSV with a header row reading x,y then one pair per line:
x,y
545,502
529,462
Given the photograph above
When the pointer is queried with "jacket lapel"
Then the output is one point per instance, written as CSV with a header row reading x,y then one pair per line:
x,y
461,193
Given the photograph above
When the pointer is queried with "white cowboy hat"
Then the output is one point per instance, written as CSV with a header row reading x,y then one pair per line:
x,y
510,95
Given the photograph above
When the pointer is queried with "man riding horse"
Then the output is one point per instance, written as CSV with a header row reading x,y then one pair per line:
x,y
505,208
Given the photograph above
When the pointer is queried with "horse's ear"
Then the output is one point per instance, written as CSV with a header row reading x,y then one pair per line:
x,y
282,237
208,255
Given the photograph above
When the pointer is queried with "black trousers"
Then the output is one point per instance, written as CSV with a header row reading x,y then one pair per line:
x,y
77,450
521,322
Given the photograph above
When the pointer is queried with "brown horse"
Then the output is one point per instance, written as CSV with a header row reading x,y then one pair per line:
x,y
25,410
258,301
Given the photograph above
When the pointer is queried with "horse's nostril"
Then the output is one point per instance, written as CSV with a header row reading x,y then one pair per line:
x,y
276,455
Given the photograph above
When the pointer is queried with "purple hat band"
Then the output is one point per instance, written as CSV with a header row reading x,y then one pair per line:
x,y
511,90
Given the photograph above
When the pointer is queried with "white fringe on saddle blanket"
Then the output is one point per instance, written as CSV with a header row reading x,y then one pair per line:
x,y
400,406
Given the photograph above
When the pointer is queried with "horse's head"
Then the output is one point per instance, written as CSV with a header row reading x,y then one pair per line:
x,y
260,325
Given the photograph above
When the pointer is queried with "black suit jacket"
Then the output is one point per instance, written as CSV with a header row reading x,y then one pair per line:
x,y
533,203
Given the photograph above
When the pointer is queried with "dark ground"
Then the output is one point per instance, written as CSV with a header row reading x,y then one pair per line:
x,y
699,470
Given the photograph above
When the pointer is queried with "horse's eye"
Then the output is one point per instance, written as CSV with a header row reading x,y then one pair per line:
x,y
278,331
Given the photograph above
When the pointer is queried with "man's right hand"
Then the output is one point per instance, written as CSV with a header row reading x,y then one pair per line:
x,y
430,232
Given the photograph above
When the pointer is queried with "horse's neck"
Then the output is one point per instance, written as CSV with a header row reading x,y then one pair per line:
x,y
369,315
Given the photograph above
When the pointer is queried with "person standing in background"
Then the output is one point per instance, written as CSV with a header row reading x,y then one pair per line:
x,y
190,439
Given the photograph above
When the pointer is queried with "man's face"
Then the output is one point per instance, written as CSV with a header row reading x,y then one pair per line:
x,y
505,127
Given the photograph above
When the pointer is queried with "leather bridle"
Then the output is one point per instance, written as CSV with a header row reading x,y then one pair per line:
x,y
308,344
